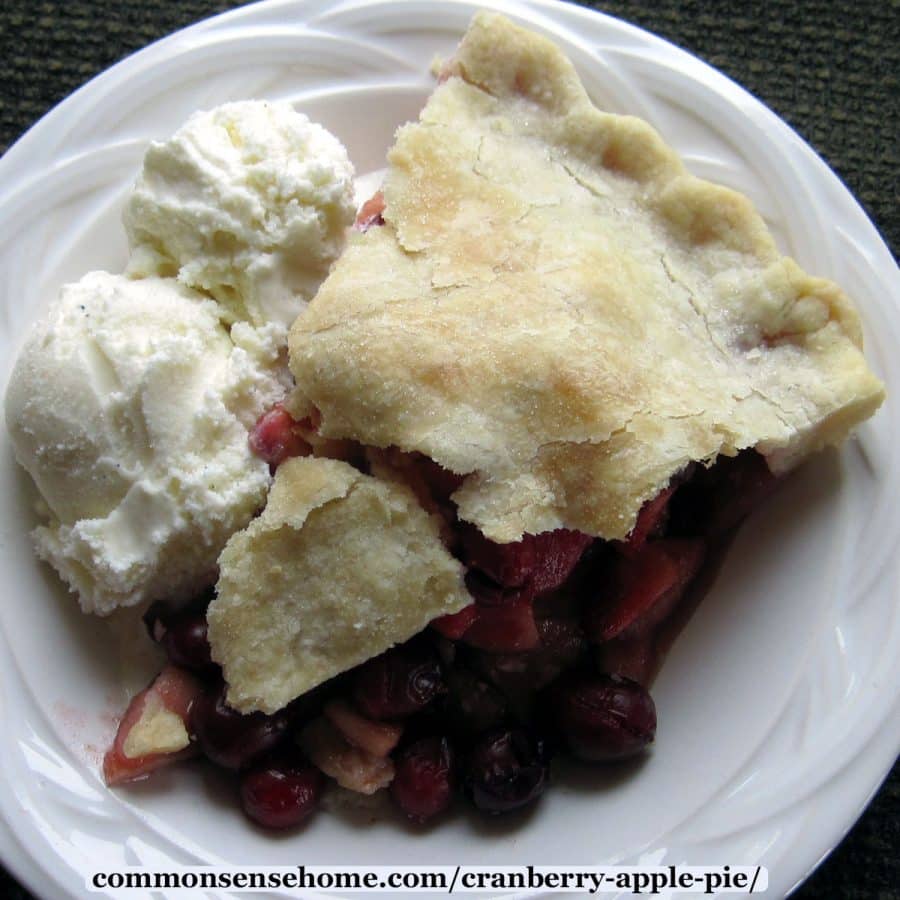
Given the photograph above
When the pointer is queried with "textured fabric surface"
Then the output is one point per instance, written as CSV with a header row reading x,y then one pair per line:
x,y
830,69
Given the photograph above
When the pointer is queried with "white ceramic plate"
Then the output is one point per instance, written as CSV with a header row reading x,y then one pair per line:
x,y
779,707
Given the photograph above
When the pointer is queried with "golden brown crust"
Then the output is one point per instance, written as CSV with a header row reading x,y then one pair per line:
x,y
557,309
338,568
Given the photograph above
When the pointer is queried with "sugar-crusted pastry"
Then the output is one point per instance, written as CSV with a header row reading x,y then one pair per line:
x,y
556,309
338,568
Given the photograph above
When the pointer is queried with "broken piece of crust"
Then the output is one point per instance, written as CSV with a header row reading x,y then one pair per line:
x,y
557,309
337,568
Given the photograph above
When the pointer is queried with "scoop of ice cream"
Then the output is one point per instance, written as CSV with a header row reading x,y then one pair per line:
x,y
129,407
248,202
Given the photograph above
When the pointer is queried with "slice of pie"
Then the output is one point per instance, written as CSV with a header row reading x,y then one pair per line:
x,y
555,309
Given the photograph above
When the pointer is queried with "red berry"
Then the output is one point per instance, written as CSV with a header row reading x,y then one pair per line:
x,y
161,614
276,436
156,619
423,780
506,769
229,739
605,717
398,683
187,645
370,214
280,795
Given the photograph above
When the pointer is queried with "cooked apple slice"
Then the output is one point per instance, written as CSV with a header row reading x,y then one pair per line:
x,y
154,730
504,629
377,738
352,767
644,587
455,625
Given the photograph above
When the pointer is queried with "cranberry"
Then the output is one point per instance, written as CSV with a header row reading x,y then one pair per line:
x,y
161,614
398,683
370,215
186,643
506,769
280,794
229,739
605,717
276,436
446,650
423,781
156,620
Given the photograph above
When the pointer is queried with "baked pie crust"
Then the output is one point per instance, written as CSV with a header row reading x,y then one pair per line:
x,y
555,308
338,568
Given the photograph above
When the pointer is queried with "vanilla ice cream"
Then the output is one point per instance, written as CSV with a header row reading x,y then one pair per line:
x,y
129,407
248,202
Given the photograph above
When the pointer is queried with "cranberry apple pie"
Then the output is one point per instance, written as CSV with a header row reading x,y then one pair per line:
x,y
552,370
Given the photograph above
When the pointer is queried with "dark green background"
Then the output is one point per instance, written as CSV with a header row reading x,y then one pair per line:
x,y
831,69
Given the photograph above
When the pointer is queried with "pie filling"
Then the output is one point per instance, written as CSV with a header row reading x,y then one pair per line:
x,y
556,653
